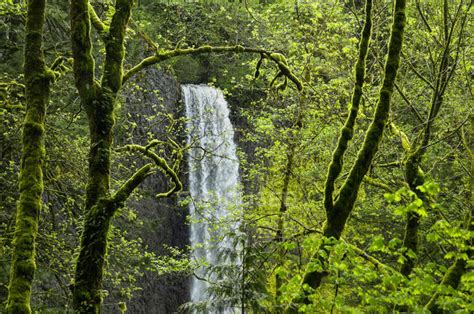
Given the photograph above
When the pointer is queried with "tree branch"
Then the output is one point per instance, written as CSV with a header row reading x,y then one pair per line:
x,y
347,131
165,55
378,264
162,165
84,67
123,193
348,193
377,183
417,73
99,26
114,46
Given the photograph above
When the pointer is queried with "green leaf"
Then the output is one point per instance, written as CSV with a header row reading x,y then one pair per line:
x,y
377,244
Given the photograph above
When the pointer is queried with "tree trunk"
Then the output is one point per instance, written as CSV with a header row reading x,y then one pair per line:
x,y
413,175
37,78
98,211
338,213
99,101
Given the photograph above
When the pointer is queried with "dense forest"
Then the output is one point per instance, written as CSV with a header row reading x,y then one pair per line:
x,y
251,156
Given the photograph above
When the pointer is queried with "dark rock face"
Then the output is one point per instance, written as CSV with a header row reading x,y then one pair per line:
x,y
147,101
242,99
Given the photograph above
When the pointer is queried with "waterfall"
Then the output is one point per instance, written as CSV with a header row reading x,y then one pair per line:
x,y
213,179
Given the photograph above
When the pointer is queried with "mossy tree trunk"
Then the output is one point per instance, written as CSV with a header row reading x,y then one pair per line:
x,y
338,208
99,100
37,83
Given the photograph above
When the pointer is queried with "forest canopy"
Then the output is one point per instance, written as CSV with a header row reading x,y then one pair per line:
x,y
251,156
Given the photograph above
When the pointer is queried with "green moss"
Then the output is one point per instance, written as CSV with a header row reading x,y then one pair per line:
x,y
337,217
414,177
347,131
114,46
350,188
163,166
90,264
100,102
31,176
454,273
84,66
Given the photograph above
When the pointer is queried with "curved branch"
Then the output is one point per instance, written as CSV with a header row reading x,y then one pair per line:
x,y
99,26
165,55
131,184
162,165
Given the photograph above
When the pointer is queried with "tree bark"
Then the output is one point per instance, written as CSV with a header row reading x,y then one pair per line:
x,y
99,100
37,79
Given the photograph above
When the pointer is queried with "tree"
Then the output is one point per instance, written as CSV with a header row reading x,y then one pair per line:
x,y
416,150
38,78
338,210
452,277
295,221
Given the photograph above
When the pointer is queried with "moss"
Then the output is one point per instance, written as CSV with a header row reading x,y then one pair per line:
x,y
414,177
337,217
163,166
349,190
282,64
413,173
114,46
347,132
160,56
31,175
84,66
100,102
453,276
129,186
90,263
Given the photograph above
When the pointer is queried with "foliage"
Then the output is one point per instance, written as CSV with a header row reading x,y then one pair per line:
x,y
319,40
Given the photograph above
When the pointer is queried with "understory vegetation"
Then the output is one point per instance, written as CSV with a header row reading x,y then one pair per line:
x,y
354,127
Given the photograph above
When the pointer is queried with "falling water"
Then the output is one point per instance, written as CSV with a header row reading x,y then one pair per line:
x,y
213,176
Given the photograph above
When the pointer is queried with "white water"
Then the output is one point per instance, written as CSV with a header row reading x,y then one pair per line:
x,y
213,176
